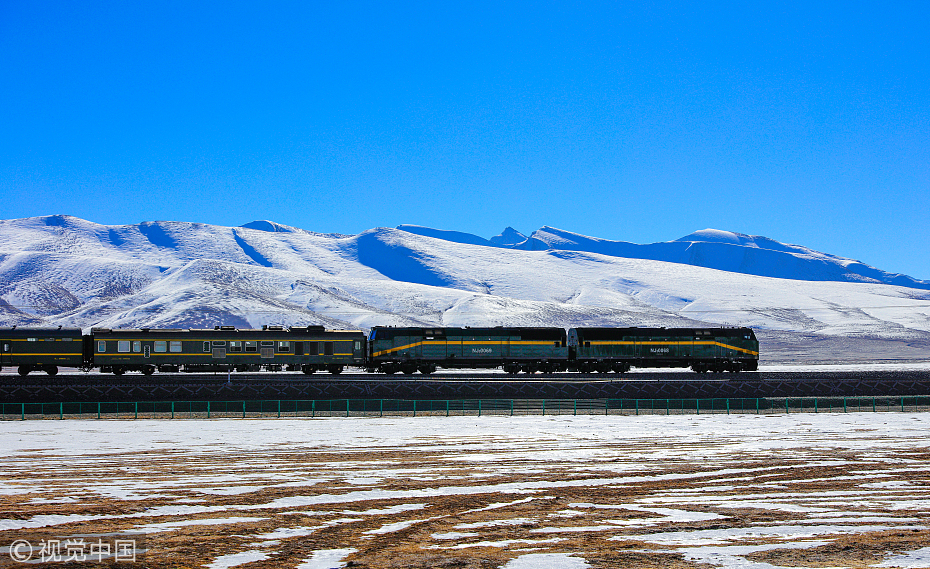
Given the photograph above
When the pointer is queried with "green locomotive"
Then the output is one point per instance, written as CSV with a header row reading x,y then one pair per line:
x,y
407,350
702,349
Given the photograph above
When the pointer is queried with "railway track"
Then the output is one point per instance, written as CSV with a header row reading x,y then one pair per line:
x,y
459,377
295,386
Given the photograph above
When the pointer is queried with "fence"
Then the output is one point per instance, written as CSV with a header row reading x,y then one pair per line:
x,y
456,407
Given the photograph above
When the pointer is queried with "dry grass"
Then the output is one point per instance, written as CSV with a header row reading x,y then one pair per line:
x,y
490,509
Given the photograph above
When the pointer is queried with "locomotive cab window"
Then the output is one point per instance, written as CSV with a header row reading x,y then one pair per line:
x,y
161,346
235,346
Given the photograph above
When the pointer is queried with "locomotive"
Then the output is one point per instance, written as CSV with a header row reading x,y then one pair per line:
x,y
386,350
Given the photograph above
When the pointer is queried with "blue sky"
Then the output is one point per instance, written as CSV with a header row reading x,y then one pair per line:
x,y
809,124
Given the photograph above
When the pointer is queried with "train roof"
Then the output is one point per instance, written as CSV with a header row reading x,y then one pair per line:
x,y
529,333
269,331
607,333
59,332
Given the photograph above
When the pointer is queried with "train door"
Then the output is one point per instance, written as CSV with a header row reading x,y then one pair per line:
x,y
6,352
146,352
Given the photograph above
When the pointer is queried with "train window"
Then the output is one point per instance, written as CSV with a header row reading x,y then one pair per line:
x,y
235,346
137,346
32,339
50,339
174,346
69,339
122,346
267,343
313,348
251,346
219,343
161,346
327,348
206,347
358,346
101,346
284,346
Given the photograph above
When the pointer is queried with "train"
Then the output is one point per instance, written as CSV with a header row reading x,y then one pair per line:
x,y
385,349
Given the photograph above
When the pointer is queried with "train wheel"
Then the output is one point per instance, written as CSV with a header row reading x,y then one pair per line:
x,y
118,370
51,370
409,369
335,370
427,369
307,369
148,370
24,370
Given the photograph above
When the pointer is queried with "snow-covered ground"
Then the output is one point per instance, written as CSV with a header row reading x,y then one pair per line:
x,y
849,490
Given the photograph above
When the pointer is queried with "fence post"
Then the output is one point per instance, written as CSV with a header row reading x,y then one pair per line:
x,y
786,405
347,407
575,409
22,410
902,404
479,407
208,409
243,408
414,407
815,405
844,405
666,407
728,405
544,407
98,409
637,406
137,410
279,408
172,409
511,407
61,408
697,406
757,405
873,404
313,408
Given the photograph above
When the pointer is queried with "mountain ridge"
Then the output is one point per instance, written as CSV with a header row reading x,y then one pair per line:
x,y
61,270
711,248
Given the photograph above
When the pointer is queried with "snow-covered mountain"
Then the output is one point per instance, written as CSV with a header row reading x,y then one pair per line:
x,y
724,250
61,270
